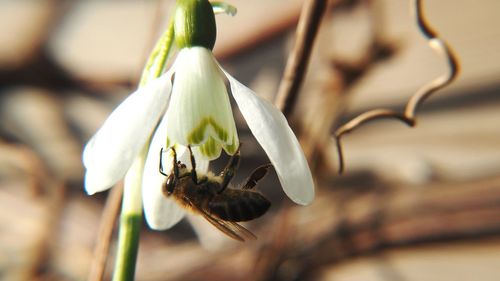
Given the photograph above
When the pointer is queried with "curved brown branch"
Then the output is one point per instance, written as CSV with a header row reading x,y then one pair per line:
x,y
365,117
409,115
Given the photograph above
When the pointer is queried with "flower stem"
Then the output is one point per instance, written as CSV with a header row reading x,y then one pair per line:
x,y
159,56
130,221
131,214
128,246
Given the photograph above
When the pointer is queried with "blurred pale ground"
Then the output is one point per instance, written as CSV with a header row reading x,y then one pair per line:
x,y
414,204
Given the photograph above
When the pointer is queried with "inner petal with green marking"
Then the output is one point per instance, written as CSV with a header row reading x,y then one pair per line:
x,y
199,113
200,132
210,136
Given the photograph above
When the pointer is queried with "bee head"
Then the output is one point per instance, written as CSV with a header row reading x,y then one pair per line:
x,y
182,168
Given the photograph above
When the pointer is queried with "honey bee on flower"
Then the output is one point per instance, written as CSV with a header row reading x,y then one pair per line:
x,y
189,105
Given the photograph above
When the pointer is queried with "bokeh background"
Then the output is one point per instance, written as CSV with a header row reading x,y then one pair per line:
x,y
414,204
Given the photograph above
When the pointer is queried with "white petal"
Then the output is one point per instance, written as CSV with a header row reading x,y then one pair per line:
x,y
272,131
110,152
199,107
160,212
201,162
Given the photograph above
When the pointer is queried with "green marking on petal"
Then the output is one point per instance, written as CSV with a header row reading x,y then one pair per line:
x,y
233,147
210,149
198,133
167,143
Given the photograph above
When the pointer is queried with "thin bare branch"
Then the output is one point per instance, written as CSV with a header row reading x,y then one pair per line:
x,y
296,66
108,221
409,116
441,47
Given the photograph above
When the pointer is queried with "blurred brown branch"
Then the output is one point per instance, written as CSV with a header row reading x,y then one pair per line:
x,y
297,62
385,219
350,223
107,224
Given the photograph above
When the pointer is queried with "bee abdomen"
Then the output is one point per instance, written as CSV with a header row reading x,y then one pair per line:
x,y
240,206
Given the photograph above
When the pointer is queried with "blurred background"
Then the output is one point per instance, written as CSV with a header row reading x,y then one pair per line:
x,y
417,203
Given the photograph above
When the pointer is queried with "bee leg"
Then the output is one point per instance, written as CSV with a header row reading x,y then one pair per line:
x,y
194,176
228,173
256,176
168,188
174,163
161,164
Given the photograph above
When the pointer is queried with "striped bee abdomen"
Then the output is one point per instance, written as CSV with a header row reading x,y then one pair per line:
x,y
238,205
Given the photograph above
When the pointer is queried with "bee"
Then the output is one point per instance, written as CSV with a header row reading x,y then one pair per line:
x,y
211,196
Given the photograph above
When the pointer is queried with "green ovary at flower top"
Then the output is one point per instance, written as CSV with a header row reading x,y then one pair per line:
x,y
194,24
189,105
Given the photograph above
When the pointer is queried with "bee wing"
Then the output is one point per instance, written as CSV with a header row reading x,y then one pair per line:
x,y
229,228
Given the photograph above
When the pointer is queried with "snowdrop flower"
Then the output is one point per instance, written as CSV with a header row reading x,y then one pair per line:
x,y
189,105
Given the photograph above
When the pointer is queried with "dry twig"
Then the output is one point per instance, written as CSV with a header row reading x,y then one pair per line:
x,y
108,222
296,66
